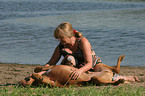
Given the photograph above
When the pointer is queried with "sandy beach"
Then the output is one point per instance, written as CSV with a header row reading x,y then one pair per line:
x,y
11,74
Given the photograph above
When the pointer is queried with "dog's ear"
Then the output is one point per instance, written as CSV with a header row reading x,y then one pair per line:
x,y
38,69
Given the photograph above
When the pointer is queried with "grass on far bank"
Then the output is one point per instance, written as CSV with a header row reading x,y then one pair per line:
x,y
121,90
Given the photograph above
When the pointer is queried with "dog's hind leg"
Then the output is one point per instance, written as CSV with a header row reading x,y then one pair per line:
x,y
100,81
115,69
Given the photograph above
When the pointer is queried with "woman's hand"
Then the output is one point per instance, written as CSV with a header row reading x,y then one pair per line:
x,y
46,65
75,74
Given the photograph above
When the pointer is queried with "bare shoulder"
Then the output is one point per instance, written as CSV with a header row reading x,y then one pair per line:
x,y
85,41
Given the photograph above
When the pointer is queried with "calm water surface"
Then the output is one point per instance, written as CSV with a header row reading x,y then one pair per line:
x,y
113,28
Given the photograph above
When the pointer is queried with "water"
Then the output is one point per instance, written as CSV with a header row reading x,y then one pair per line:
x,y
113,28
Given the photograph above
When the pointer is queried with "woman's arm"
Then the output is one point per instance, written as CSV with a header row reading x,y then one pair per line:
x,y
55,57
86,48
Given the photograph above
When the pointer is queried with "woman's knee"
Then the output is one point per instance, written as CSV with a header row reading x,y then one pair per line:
x,y
69,60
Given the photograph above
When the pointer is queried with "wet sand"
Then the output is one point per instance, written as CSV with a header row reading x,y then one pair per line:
x,y
11,74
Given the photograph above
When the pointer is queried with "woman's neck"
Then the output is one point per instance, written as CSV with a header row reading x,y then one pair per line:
x,y
73,41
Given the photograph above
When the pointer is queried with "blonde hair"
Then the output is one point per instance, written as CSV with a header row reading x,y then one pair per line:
x,y
66,29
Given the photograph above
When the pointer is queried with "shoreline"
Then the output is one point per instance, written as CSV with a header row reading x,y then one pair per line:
x,y
42,65
12,73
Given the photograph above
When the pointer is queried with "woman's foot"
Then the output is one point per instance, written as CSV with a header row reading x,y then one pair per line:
x,y
136,79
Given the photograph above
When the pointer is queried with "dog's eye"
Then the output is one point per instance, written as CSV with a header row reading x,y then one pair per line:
x,y
27,78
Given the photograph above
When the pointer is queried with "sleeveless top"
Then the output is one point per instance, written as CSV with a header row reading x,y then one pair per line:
x,y
77,54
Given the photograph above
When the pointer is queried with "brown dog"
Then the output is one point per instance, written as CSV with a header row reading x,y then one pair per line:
x,y
59,75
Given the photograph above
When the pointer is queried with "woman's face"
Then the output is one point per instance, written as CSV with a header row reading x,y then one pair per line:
x,y
64,40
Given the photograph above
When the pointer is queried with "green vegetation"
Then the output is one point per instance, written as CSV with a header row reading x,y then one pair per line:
x,y
121,90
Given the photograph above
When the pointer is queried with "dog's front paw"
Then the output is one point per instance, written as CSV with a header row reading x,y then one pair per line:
x,y
38,69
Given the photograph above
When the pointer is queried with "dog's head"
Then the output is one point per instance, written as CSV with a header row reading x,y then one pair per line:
x,y
28,81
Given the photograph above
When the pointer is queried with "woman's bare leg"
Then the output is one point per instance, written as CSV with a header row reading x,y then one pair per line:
x,y
129,78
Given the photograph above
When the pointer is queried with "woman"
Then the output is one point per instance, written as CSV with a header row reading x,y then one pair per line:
x,y
75,48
